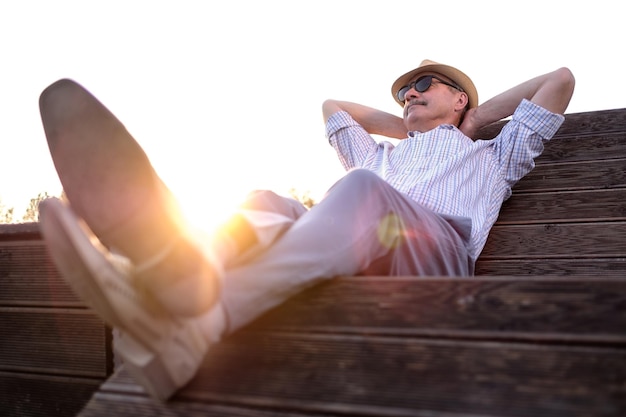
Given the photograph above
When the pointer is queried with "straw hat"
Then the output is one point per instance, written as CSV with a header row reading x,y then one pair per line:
x,y
452,73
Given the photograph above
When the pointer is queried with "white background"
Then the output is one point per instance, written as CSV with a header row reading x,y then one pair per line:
x,y
226,96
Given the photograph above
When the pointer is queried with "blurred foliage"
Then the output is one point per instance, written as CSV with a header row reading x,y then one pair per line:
x,y
32,211
302,196
7,214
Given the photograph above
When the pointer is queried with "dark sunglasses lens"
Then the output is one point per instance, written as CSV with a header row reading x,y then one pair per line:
x,y
423,83
402,92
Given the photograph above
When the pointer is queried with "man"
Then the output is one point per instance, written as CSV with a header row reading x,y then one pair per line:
x,y
424,207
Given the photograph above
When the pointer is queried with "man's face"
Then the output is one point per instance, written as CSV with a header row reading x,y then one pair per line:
x,y
435,104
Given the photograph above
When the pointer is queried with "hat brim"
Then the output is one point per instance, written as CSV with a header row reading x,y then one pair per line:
x,y
459,77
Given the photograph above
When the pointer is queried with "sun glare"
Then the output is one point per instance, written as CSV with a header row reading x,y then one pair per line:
x,y
207,212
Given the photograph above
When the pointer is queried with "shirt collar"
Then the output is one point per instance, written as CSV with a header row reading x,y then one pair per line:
x,y
415,133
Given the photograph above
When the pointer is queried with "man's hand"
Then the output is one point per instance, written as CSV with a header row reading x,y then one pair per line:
x,y
551,91
469,125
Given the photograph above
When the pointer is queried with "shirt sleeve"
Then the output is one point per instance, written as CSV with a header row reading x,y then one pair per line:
x,y
349,139
521,140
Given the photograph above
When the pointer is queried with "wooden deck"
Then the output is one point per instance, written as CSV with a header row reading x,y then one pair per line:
x,y
496,346
541,331
54,352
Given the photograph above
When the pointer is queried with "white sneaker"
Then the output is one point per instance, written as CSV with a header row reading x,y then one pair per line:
x,y
162,351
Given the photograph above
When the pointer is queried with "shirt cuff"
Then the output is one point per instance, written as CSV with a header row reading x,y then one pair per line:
x,y
539,120
337,121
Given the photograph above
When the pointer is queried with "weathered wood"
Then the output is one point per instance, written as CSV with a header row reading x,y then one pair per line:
x,y
564,206
390,376
573,203
401,346
581,309
575,240
111,404
575,176
28,277
568,267
584,148
21,231
54,341
594,122
26,395
54,353
578,124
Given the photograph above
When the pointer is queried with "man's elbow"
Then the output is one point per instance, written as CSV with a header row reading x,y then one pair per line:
x,y
330,107
566,82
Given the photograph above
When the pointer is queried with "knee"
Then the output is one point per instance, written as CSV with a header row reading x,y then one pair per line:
x,y
266,200
259,199
357,183
260,194
359,177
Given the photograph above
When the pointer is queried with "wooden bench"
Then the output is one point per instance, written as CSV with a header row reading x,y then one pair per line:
x,y
541,331
54,353
568,216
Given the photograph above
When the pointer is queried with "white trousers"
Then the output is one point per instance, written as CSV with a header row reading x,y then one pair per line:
x,y
362,226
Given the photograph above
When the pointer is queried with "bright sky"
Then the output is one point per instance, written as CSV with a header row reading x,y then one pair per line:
x,y
226,96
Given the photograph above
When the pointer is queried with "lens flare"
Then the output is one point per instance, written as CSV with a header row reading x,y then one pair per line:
x,y
391,230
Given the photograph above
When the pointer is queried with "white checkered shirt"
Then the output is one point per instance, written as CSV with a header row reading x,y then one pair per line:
x,y
445,170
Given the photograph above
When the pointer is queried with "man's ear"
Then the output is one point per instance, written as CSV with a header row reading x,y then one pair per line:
x,y
461,102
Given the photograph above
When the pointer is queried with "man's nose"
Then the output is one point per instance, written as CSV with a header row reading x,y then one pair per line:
x,y
412,93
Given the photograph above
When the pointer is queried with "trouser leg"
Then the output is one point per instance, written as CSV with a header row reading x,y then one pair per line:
x,y
269,215
256,224
363,225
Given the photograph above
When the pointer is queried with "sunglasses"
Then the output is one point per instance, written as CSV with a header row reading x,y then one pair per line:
x,y
422,84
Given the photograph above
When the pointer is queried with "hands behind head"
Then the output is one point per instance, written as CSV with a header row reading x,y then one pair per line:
x,y
469,125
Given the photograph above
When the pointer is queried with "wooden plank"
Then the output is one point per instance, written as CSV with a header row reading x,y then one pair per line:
x,y
51,359
585,309
424,346
29,278
389,376
599,268
113,404
575,176
564,206
577,124
20,231
610,120
26,395
54,341
584,148
574,241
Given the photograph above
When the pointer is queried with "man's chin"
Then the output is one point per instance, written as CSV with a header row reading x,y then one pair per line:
x,y
413,115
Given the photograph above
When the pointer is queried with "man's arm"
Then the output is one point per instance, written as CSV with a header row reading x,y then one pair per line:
x,y
375,122
551,91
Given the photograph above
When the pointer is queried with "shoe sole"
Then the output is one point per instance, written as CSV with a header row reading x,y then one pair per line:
x,y
111,185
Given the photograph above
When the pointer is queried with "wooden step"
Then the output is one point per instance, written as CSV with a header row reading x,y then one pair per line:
x,y
555,309
580,147
54,352
567,176
407,346
564,207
